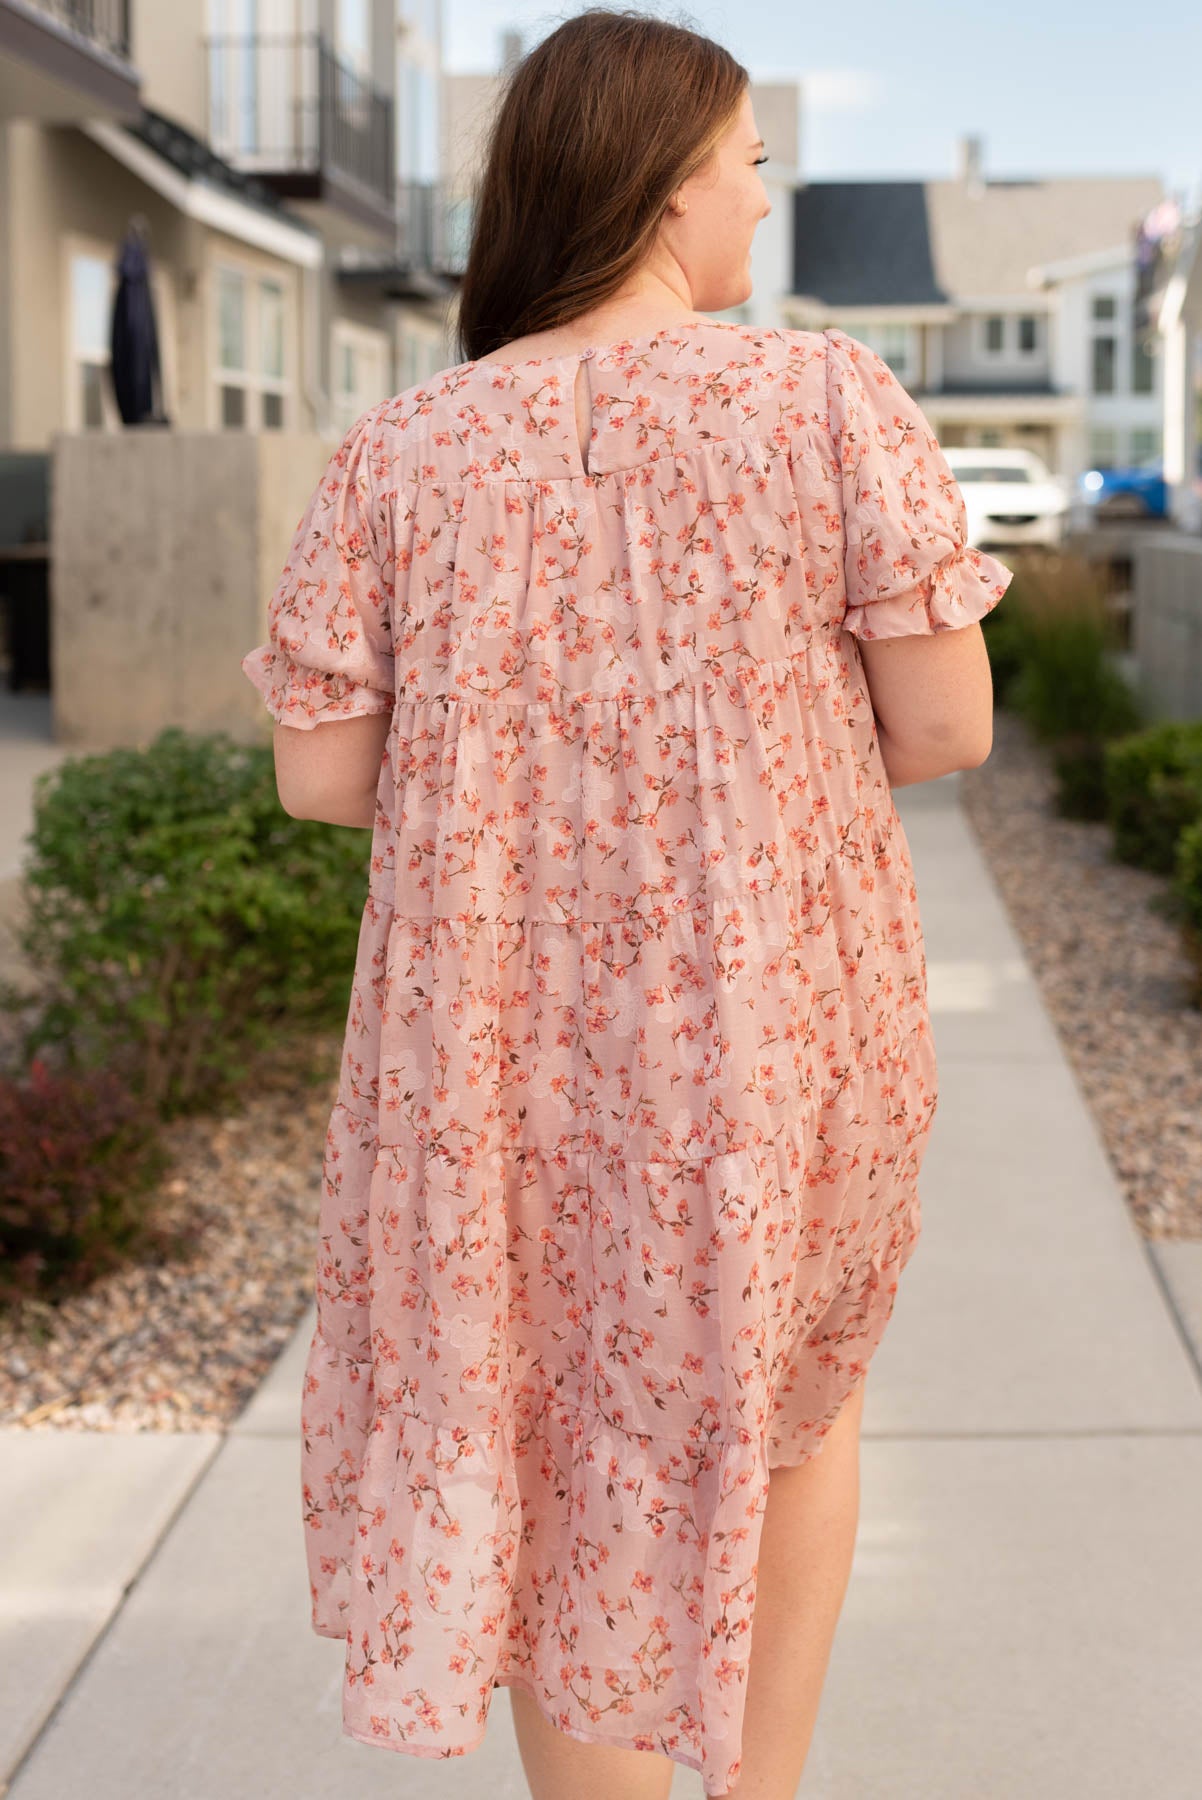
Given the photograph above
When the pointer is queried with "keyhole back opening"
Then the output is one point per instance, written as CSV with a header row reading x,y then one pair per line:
x,y
584,411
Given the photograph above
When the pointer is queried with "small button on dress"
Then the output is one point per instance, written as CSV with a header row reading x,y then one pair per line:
x,y
638,1071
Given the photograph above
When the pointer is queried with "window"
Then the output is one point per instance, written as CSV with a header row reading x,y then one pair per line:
x,y
354,35
234,96
271,339
93,283
411,361
892,344
418,153
1147,446
1103,447
361,371
1028,333
1104,363
89,277
420,16
1143,364
419,358
1012,472
1104,347
995,334
251,360
458,221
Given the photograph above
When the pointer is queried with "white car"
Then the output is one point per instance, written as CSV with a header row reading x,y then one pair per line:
x,y
1010,497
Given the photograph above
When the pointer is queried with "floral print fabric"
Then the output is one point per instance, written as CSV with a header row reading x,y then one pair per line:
x,y
638,1072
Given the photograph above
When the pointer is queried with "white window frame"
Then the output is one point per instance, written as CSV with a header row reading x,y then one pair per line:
x,y
1010,350
1153,436
366,339
895,342
105,250
1105,451
1111,328
254,381
420,356
985,350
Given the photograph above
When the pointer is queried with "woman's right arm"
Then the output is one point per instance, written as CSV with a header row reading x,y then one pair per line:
x,y
933,700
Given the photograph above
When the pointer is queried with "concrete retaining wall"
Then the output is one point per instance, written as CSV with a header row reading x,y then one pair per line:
x,y
1166,626
165,548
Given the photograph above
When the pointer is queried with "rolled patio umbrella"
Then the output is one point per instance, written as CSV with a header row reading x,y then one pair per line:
x,y
133,342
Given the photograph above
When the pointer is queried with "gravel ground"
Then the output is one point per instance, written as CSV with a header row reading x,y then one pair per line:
x,y
1112,972
183,1347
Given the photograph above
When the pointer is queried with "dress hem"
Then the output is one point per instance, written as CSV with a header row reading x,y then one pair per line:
x,y
578,1733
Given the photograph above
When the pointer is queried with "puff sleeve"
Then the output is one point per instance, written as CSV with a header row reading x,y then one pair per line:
x,y
907,564
328,653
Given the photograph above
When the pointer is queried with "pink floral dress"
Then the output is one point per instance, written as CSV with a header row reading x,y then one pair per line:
x,y
638,1072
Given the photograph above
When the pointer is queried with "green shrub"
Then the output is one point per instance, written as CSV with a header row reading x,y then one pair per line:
x,y
1068,688
178,918
1051,644
1153,790
1080,769
78,1154
1005,633
1186,888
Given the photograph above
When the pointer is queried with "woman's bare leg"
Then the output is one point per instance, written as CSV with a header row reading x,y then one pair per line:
x,y
562,1768
808,1537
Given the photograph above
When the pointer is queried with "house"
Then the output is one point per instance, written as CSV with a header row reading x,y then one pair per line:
x,y
1005,307
283,160
280,162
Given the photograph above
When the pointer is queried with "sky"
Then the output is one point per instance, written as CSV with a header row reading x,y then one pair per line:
x,y
1052,87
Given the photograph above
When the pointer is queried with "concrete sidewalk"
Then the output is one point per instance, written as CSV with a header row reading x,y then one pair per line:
x,y
1022,1620
27,748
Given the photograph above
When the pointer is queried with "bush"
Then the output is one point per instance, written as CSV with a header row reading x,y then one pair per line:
x,y
1080,770
1005,633
78,1153
1068,688
1154,790
1187,890
178,918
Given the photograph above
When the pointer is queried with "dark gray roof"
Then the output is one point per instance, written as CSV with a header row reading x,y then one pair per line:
x,y
922,243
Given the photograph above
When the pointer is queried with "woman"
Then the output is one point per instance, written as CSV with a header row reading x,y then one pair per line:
x,y
620,632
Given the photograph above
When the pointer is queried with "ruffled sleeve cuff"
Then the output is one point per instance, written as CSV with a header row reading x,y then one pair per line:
x,y
328,651
298,695
961,589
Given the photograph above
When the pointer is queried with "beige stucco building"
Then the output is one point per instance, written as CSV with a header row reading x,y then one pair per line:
x,y
292,208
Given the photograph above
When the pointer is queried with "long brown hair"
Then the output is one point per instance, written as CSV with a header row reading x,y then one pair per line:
x,y
595,129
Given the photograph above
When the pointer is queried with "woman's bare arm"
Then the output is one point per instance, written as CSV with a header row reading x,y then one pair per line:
x,y
331,770
932,694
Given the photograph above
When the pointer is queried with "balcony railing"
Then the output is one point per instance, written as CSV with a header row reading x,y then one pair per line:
x,y
422,224
283,105
104,23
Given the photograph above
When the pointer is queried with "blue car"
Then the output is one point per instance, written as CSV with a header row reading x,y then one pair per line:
x,y
1140,493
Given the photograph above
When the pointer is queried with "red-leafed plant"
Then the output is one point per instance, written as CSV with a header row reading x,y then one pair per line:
x,y
79,1158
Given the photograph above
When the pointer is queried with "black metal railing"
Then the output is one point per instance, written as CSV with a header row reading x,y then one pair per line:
x,y
283,103
419,223
433,225
102,22
436,223
356,124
